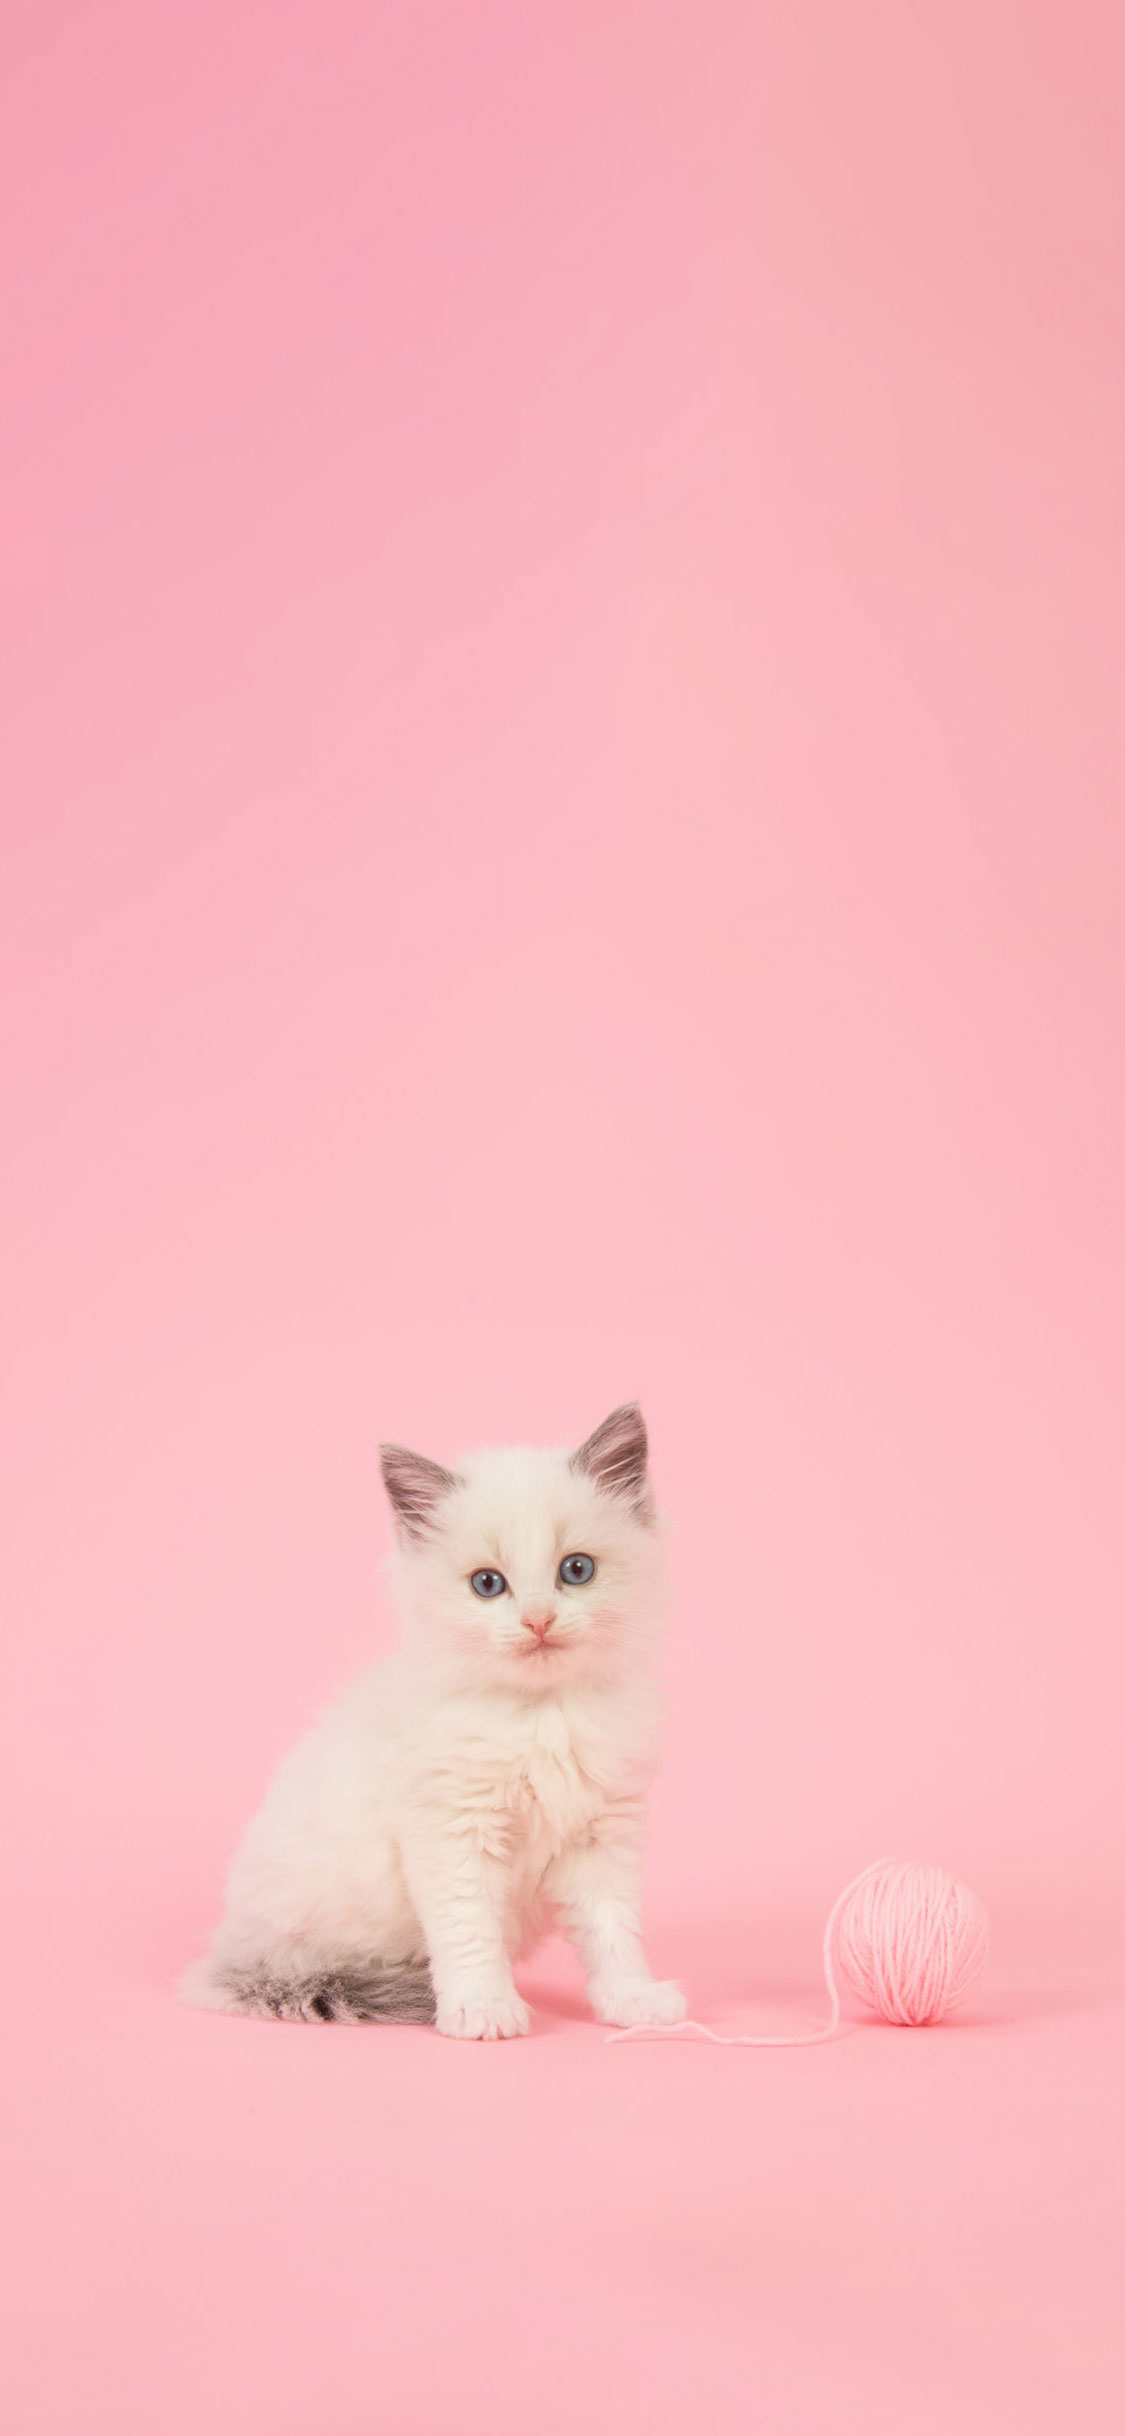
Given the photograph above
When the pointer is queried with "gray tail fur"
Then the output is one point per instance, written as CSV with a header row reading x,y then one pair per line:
x,y
381,1992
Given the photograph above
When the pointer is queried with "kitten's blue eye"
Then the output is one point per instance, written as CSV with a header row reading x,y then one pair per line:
x,y
577,1569
486,1583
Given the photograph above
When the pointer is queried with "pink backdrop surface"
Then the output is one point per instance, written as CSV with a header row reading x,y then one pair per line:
x,y
563,839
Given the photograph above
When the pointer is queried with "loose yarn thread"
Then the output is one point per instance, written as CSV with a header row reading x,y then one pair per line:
x,y
906,1935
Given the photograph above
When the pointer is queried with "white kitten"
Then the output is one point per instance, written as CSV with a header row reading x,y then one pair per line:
x,y
484,1782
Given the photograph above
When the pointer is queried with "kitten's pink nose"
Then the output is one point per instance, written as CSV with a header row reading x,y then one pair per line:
x,y
539,1621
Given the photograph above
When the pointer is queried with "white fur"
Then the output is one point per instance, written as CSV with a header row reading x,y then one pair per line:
x,y
476,1786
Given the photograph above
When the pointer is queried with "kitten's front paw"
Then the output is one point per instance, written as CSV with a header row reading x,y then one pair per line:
x,y
477,2017
638,2002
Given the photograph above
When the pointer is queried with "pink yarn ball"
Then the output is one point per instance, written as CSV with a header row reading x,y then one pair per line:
x,y
911,1939
908,1936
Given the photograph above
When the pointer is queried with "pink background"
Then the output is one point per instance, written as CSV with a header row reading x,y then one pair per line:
x,y
563,838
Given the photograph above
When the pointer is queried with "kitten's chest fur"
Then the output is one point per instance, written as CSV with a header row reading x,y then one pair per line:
x,y
537,1778
550,1794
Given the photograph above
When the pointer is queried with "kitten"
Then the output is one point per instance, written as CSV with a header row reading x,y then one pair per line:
x,y
488,1780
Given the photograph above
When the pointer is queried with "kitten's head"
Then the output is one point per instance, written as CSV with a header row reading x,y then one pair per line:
x,y
530,1566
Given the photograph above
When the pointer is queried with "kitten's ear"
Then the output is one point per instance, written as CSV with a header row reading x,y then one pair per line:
x,y
416,1488
616,1457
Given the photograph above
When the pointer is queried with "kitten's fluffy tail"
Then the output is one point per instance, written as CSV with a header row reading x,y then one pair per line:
x,y
379,1992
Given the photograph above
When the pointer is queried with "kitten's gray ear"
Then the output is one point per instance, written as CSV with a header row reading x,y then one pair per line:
x,y
416,1488
616,1457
